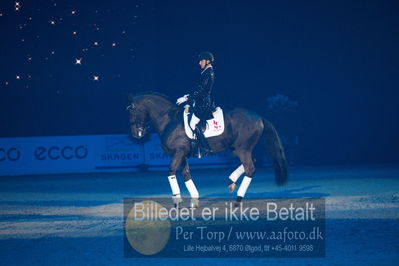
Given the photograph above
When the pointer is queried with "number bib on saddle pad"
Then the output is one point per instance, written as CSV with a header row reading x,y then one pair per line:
x,y
214,127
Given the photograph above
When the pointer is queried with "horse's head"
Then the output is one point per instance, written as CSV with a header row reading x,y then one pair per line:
x,y
138,118
148,108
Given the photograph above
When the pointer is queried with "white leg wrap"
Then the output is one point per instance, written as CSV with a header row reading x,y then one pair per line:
x,y
192,189
174,185
237,173
244,186
194,121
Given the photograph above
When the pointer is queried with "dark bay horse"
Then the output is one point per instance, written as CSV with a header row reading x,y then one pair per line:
x,y
243,129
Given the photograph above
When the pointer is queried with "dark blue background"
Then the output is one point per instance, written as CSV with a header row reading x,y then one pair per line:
x,y
337,59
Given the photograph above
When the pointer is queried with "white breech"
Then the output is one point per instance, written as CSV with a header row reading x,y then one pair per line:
x,y
194,121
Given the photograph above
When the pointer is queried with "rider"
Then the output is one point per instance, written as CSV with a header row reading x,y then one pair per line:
x,y
201,97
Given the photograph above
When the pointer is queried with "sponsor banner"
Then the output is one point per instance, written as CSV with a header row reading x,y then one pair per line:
x,y
117,153
95,153
69,154
19,156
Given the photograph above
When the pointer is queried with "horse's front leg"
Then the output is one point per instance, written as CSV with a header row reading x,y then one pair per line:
x,y
176,162
190,185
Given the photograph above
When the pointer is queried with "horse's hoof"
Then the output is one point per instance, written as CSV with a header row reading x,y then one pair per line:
x,y
177,201
238,202
194,203
232,187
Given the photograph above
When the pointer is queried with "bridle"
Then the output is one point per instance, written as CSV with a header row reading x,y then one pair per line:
x,y
141,125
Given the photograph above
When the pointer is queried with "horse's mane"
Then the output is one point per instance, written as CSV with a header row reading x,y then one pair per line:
x,y
141,94
174,112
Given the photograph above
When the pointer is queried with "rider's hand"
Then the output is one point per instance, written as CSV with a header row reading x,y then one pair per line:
x,y
182,99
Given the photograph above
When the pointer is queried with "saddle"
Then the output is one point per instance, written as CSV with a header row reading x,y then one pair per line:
x,y
213,127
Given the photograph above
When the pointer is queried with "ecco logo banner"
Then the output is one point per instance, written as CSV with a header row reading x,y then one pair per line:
x,y
57,152
11,154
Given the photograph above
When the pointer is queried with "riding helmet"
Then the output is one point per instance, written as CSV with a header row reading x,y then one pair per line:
x,y
206,56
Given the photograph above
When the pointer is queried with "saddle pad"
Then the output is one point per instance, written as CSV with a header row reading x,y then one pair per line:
x,y
214,127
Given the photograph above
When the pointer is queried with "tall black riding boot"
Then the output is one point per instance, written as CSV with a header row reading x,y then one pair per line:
x,y
202,140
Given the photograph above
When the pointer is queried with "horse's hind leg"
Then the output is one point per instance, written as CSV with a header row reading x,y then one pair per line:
x,y
190,185
234,176
249,168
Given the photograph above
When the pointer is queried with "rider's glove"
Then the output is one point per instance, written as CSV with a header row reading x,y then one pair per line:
x,y
182,99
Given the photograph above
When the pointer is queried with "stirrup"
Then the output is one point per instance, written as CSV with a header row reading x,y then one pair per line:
x,y
196,153
195,148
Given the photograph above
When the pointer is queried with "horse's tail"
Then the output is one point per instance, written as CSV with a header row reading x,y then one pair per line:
x,y
276,151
